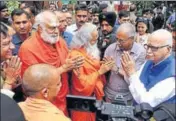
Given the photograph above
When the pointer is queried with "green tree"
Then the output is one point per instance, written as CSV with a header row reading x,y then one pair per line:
x,y
12,5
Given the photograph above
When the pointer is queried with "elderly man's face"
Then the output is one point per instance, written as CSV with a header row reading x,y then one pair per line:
x,y
156,49
63,23
106,27
21,24
174,40
81,17
124,41
6,47
50,30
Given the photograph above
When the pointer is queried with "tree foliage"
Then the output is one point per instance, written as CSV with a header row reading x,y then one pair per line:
x,y
12,5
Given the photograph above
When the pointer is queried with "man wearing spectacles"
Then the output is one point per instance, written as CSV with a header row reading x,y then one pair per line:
x,y
154,83
125,37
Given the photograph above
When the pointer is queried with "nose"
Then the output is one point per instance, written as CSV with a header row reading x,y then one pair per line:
x,y
104,27
12,46
21,25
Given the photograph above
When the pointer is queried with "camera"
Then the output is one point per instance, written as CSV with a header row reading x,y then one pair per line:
x,y
110,112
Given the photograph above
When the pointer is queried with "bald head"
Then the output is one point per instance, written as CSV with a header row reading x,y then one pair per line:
x,y
127,29
39,76
161,37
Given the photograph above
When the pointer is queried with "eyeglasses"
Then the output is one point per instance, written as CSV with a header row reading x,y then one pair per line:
x,y
153,48
123,41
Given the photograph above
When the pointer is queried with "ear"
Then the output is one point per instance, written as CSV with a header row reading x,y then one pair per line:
x,y
39,28
45,92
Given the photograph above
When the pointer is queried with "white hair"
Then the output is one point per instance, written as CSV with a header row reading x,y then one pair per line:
x,y
165,35
83,35
128,28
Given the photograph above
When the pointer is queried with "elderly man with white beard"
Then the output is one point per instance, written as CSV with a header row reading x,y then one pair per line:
x,y
45,46
89,79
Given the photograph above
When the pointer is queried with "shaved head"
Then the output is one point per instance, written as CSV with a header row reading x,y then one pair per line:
x,y
38,77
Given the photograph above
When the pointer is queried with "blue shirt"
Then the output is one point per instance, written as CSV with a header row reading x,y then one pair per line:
x,y
17,42
67,37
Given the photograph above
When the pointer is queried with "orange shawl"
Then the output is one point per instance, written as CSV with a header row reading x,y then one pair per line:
x,y
34,50
88,84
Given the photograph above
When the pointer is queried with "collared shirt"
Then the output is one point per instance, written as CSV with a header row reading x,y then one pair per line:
x,y
159,93
116,83
41,110
17,42
72,29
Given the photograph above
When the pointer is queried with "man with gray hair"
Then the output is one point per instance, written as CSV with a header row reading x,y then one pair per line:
x,y
46,46
125,37
154,83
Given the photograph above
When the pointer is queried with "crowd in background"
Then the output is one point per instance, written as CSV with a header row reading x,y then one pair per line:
x,y
90,49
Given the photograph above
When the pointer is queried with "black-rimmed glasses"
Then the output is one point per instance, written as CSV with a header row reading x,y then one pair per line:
x,y
153,48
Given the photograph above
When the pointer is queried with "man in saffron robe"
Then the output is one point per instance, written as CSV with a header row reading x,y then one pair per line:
x,y
88,80
41,90
46,46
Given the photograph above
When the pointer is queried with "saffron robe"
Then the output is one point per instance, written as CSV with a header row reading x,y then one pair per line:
x,y
41,110
89,83
34,50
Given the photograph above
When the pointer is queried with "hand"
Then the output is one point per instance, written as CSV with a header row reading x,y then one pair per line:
x,y
12,69
106,66
72,63
128,64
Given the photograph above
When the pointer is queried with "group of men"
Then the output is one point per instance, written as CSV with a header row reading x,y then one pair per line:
x,y
52,50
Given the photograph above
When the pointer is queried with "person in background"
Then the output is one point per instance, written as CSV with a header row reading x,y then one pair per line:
x,y
46,46
22,25
4,13
52,7
68,16
133,14
107,30
123,17
89,79
142,29
95,15
81,17
62,27
154,83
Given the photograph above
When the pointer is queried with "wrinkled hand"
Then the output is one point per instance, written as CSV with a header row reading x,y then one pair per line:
x,y
73,63
106,66
12,69
128,64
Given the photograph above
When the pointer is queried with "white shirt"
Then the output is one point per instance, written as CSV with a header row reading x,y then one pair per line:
x,y
72,29
7,92
159,93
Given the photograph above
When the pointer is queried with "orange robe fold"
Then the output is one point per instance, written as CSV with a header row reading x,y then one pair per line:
x,y
41,110
89,83
34,50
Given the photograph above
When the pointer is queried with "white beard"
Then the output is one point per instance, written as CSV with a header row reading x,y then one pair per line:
x,y
49,38
93,50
